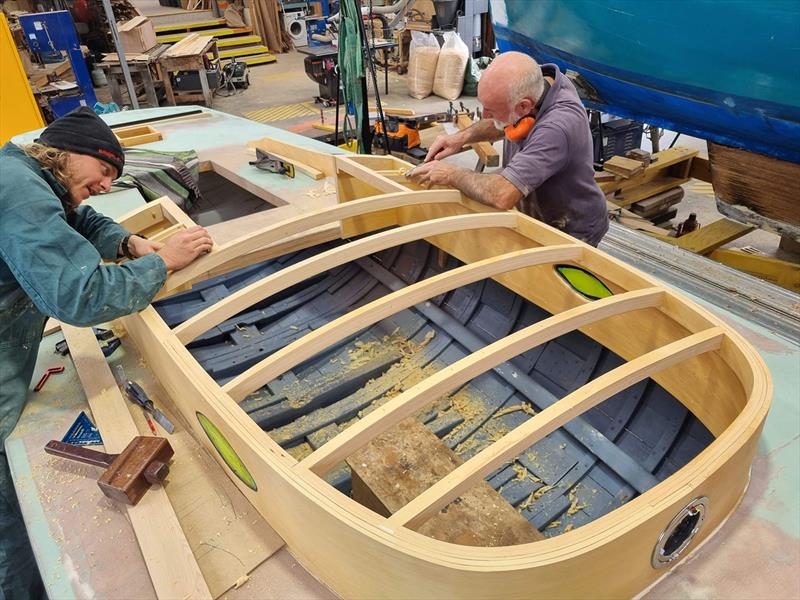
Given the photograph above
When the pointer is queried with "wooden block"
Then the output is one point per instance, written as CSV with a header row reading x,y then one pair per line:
x,y
643,156
485,151
137,134
624,167
602,176
658,202
710,237
402,463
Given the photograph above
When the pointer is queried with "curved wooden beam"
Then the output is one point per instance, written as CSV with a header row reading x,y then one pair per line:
x,y
289,276
262,237
460,372
427,504
364,316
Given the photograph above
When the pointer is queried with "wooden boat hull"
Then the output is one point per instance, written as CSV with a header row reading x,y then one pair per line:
x,y
361,554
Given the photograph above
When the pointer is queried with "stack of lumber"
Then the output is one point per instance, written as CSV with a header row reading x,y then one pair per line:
x,y
192,45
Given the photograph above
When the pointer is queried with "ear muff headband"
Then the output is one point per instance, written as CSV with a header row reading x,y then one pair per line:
x,y
520,130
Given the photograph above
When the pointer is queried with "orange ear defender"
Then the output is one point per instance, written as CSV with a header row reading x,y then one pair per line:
x,y
520,130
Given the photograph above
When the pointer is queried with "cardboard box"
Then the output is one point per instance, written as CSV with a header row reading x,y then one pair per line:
x,y
137,35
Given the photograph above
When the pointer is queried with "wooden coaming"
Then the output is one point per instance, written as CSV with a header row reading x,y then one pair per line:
x,y
361,554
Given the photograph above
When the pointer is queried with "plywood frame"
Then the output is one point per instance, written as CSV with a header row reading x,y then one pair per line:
x,y
361,554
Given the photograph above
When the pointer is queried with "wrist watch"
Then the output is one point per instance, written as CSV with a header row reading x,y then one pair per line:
x,y
124,248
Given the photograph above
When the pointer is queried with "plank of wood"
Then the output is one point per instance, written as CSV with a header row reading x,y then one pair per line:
x,y
407,403
780,272
647,189
313,158
485,151
315,174
624,167
389,110
170,562
554,416
710,237
402,463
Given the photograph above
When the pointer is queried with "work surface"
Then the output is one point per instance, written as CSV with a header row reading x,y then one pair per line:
x,y
85,545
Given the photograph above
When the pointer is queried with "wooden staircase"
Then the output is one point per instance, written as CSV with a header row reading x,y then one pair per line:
x,y
233,42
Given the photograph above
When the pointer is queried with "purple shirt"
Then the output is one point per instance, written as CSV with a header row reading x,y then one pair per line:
x,y
552,166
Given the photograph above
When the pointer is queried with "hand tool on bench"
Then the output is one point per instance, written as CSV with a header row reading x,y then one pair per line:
x,y
267,162
129,474
103,335
136,394
46,376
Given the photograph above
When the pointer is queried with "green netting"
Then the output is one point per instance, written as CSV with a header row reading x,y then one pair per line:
x,y
351,66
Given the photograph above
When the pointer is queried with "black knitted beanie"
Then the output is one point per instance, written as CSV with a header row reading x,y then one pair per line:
x,y
83,132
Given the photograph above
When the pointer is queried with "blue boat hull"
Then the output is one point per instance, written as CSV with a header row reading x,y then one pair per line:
x,y
722,71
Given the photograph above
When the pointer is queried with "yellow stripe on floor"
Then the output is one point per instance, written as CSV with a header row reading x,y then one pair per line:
x,y
279,113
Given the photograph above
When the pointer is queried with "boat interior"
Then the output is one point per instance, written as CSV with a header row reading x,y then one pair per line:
x,y
593,464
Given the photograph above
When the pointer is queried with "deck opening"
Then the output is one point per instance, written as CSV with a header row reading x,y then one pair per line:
x,y
223,200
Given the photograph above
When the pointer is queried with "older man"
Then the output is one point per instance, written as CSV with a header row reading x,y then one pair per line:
x,y
548,156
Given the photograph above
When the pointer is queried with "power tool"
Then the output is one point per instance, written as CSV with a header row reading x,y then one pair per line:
x,y
237,74
403,133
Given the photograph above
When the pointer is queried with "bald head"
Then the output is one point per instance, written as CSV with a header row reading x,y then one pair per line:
x,y
513,82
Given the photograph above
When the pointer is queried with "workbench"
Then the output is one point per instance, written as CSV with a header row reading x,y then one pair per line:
x,y
84,542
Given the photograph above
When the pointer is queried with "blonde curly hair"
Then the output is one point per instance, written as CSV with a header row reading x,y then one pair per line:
x,y
54,160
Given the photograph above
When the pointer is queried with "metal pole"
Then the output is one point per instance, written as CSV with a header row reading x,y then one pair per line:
x,y
120,53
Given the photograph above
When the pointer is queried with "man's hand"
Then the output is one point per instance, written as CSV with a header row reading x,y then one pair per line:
x,y
444,146
433,173
181,249
139,246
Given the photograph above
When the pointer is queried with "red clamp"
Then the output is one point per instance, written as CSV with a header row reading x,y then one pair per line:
x,y
46,376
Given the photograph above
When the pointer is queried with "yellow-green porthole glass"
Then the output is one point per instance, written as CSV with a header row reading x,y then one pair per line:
x,y
583,282
226,451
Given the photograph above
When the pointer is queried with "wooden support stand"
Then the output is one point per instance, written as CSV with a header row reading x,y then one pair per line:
x,y
190,54
143,67
405,461
669,169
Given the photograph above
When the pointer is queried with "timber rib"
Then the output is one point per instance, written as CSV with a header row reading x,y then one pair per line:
x,y
269,286
593,393
277,232
318,340
405,404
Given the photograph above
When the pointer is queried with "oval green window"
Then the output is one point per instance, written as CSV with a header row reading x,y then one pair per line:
x,y
226,451
583,282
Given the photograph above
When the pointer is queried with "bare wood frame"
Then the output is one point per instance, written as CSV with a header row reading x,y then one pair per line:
x,y
654,330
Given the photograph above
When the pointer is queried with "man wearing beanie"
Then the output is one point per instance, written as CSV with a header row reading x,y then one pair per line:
x,y
51,250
